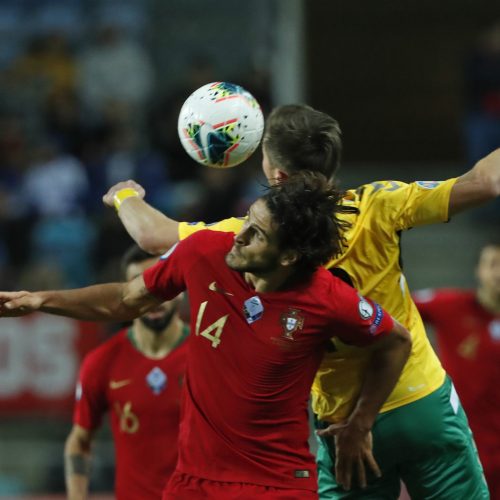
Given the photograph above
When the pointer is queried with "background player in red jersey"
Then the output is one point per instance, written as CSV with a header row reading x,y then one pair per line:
x,y
467,328
136,376
263,310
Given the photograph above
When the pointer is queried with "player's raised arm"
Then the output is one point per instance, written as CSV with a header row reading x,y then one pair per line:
x,y
111,301
478,185
152,230
77,451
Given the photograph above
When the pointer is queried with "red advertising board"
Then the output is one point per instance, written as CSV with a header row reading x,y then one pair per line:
x,y
39,360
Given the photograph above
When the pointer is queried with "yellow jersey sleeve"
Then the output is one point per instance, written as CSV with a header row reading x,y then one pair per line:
x,y
232,225
403,205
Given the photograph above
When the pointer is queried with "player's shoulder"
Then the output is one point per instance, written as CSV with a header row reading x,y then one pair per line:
x,y
375,189
331,288
209,239
104,354
444,295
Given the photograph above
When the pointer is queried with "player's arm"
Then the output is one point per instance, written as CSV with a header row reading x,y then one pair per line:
x,y
353,441
111,301
478,185
77,452
152,230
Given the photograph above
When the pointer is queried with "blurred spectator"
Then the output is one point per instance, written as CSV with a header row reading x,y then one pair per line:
x,y
482,92
467,328
116,76
165,113
56,190
46,68
55,183
15,221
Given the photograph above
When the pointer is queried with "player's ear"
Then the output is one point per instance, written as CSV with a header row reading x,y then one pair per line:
x,y
289,258
281,175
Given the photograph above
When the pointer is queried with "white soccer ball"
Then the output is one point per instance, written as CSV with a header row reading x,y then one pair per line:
x,y
220,125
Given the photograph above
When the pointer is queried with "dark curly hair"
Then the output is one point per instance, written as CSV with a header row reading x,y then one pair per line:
x,y
298,137
305,208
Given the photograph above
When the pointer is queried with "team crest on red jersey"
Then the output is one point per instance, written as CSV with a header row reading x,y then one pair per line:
x,y
292,320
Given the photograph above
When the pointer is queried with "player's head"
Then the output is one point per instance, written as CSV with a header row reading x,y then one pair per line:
x,y
298,137
488,269
293,225
134,262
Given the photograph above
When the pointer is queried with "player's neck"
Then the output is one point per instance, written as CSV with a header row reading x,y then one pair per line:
x,y
489,301
157,345
274,281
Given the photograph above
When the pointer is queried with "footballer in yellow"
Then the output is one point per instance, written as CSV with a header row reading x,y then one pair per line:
x,y
421,434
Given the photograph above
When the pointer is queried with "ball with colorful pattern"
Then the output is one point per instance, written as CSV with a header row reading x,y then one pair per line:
x,y
220,125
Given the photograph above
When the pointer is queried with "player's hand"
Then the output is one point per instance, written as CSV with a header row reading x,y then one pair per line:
x,y
353,452
18,303
108,197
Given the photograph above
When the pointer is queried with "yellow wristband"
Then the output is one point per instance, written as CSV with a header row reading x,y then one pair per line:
x,y
121,195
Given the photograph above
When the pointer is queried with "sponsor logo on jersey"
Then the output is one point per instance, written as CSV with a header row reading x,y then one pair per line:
x,y
157,380
116,384
429,184
365,308
253,309
494,328
168,253
291,321
214,287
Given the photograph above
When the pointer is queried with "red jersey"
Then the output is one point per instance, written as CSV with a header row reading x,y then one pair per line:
x,y
142,396
251,361
468,342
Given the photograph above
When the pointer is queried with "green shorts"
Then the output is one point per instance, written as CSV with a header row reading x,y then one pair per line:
x,y
427,444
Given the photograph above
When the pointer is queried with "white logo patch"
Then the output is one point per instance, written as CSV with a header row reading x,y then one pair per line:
x,y
494,328
78,391
365,308
253,309
429,184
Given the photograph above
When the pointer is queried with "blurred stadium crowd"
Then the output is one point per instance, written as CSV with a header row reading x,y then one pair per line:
x,y
81,108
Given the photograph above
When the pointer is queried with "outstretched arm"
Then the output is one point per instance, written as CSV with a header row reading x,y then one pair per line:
x,y
353,441
478,185
153,231
77,463
111,301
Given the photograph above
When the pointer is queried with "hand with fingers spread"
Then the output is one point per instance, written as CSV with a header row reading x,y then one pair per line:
x,y
109,198
14,304
353,452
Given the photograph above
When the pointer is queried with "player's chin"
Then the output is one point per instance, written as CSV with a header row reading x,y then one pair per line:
x,y
234,261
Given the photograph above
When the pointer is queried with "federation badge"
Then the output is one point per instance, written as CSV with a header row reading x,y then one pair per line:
x,y
494,328
157,380
292,320
253,309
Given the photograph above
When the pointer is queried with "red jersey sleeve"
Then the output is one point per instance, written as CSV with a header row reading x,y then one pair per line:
x,y
166,279
358,320
90,398
430,303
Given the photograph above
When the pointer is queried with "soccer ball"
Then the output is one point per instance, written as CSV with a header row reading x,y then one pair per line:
x,y
220,125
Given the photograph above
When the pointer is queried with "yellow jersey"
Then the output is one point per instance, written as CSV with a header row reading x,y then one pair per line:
x,y
372,260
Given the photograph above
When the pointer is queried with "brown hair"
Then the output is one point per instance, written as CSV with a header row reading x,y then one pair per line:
x,y
306,207
299,137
